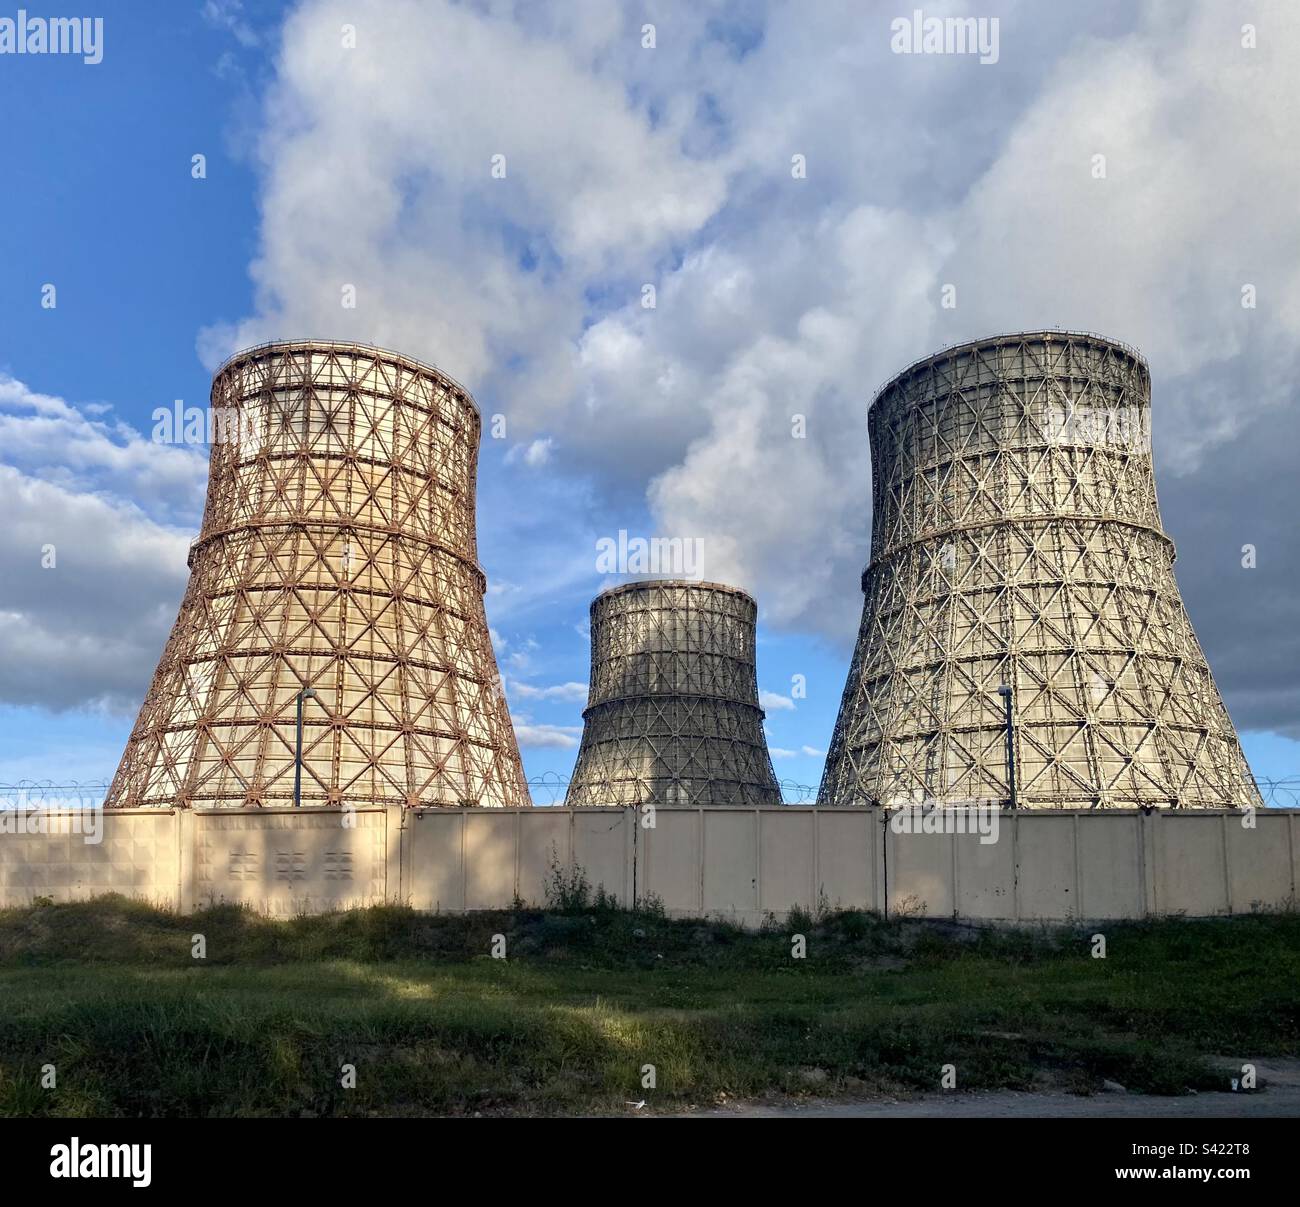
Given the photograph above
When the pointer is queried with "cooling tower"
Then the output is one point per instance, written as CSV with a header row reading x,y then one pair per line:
x,y
337,557
1017,541
673,715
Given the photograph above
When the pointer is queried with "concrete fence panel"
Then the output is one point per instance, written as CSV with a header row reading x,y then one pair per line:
x,y
985,873
729,862
668,861
593,845
745,864
545,850
472,859
849,847
920,874
604,847
491,846
1047,867
433,860
135,852
288,861
1190,864
787,859
1261,862
1112,865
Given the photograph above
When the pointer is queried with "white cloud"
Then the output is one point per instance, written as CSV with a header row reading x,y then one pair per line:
x,y
571,692
87,633
553,737
521,656
54,440
535,453
780,752
229,15
771,701
379,173
117,512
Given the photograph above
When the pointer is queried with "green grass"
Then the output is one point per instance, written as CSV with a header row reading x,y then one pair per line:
x,y
109,993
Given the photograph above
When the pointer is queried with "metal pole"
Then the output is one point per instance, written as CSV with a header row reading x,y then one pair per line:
x,y
297,753
1005,692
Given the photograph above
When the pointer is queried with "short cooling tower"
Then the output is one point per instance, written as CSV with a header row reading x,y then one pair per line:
x,y
673,715
1016,540
337,554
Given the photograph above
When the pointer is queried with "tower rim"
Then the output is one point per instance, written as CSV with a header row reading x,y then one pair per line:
x,y
1043,335
704,584
378,351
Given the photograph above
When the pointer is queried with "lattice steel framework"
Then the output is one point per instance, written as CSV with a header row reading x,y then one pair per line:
x,y
673,715
1017,540
337,553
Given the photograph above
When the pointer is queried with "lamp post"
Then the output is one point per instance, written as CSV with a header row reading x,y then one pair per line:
x,y
305,694
1005,692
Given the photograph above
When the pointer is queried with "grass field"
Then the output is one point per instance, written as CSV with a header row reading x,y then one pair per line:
x,y
110,993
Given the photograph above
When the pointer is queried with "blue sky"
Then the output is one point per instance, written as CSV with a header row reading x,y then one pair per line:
x,y
628,166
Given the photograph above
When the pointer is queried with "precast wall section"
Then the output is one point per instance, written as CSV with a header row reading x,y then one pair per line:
x,y
741,864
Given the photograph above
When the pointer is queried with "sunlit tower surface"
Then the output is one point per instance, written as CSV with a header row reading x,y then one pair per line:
x,y
335,579
1017,544
673,716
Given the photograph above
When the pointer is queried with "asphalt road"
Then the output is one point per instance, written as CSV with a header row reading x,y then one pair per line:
x,y
1279,1098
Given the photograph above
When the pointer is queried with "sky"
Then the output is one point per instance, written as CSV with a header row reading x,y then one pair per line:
x,y
502,184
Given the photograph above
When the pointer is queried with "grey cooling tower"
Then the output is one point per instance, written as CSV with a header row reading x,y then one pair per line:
x,y
673,715
1016,540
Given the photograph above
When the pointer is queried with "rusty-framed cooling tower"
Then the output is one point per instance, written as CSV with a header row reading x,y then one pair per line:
x,y
335,580
1017,541
673,716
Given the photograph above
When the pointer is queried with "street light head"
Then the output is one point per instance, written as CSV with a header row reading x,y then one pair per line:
x,y
1003,690
309,693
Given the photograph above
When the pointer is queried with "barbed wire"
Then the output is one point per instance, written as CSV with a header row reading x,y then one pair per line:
x,y
1281,794
549,789
50,792
793,793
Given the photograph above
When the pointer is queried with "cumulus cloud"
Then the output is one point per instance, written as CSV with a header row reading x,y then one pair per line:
x,y
469,205
779,752
553,737
535,453
82,450
84,632
97,524
774,701
573,693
